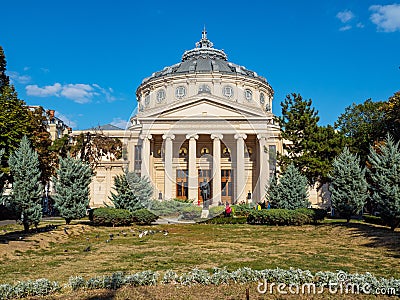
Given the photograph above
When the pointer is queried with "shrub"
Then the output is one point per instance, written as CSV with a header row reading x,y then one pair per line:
x,y
108,216
143,217
191,212
241,209
167,207
282,217
227,220
374,220
216,211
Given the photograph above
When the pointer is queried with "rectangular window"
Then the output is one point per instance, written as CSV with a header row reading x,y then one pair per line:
x,y
138,158
272,159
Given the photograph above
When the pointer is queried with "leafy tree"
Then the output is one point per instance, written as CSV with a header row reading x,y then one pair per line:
x,y
4,79
41,141
14,120
133,192
385,175
72,188
391,109
362,125
291,190
90,147
349,186
26,193
311,148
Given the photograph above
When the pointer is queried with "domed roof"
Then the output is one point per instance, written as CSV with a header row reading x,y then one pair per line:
x,y
204,59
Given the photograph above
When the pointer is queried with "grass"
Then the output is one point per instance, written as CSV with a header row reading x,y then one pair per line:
x,y
354,247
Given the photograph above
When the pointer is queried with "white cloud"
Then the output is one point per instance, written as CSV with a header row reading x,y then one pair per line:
x,y
66,120
78,92
16,77
345,16
46,91
26,68
360,25
386,17
345,28
120,123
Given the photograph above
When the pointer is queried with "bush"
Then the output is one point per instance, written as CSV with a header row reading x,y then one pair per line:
x,y
143,217
227,220
191,212
374,220
108,216
167,207
242,209
216,211
282,217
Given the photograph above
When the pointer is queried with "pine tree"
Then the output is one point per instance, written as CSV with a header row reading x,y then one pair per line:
x,y
4,79
1,174
27,191
72,188
385,175
349,186
291,190
133,192
272,192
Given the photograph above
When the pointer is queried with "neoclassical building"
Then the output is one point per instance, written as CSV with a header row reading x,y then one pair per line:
x,y
204,119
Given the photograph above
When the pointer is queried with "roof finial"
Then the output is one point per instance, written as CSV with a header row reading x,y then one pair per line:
x,y
204,42
204,33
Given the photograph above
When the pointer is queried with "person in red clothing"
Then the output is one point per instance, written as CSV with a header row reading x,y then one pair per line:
x,y
228,210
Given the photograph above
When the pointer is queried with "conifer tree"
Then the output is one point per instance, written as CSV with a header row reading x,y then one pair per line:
x,y
1,174
72,188
291,190
26,195
385,175
272,192
4,79
349,186
133,192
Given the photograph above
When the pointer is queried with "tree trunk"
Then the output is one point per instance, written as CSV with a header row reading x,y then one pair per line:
x,y
67,221
26,227
348,219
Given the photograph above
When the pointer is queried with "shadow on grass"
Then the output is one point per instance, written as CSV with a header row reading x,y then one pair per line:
x,y
379,236
103,295
20,235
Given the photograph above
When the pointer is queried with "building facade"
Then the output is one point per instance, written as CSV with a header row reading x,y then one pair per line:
x,y
202,120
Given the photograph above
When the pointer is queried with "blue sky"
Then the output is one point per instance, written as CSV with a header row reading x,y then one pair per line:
x,y
85,59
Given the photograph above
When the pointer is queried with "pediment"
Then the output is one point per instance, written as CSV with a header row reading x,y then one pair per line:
x,y
208,107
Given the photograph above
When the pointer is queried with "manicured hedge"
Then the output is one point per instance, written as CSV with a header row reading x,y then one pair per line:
x,y
143,217
282,217
374,220
216,211
108,216
227,220
242,210
191,212
168,207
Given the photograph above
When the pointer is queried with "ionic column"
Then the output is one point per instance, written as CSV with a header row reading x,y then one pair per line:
x,y
145,170
240,170
168,175
193,180
263,159
216,186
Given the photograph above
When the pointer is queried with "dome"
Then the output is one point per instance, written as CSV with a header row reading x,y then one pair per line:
x,y
204,59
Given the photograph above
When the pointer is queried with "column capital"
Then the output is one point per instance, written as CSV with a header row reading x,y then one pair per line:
x,y
262,136
168,136
218,136
240,136
192,136
146,136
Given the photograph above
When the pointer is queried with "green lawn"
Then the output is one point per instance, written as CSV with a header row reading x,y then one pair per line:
x,y
354,247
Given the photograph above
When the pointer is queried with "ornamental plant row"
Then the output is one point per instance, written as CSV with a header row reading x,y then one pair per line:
x,y
218,276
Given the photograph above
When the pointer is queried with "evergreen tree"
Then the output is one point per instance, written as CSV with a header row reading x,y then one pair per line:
x,y
385,175
291,190
1,174
72,188
26,196
4,79
133,192
349,186
311,148
272,191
